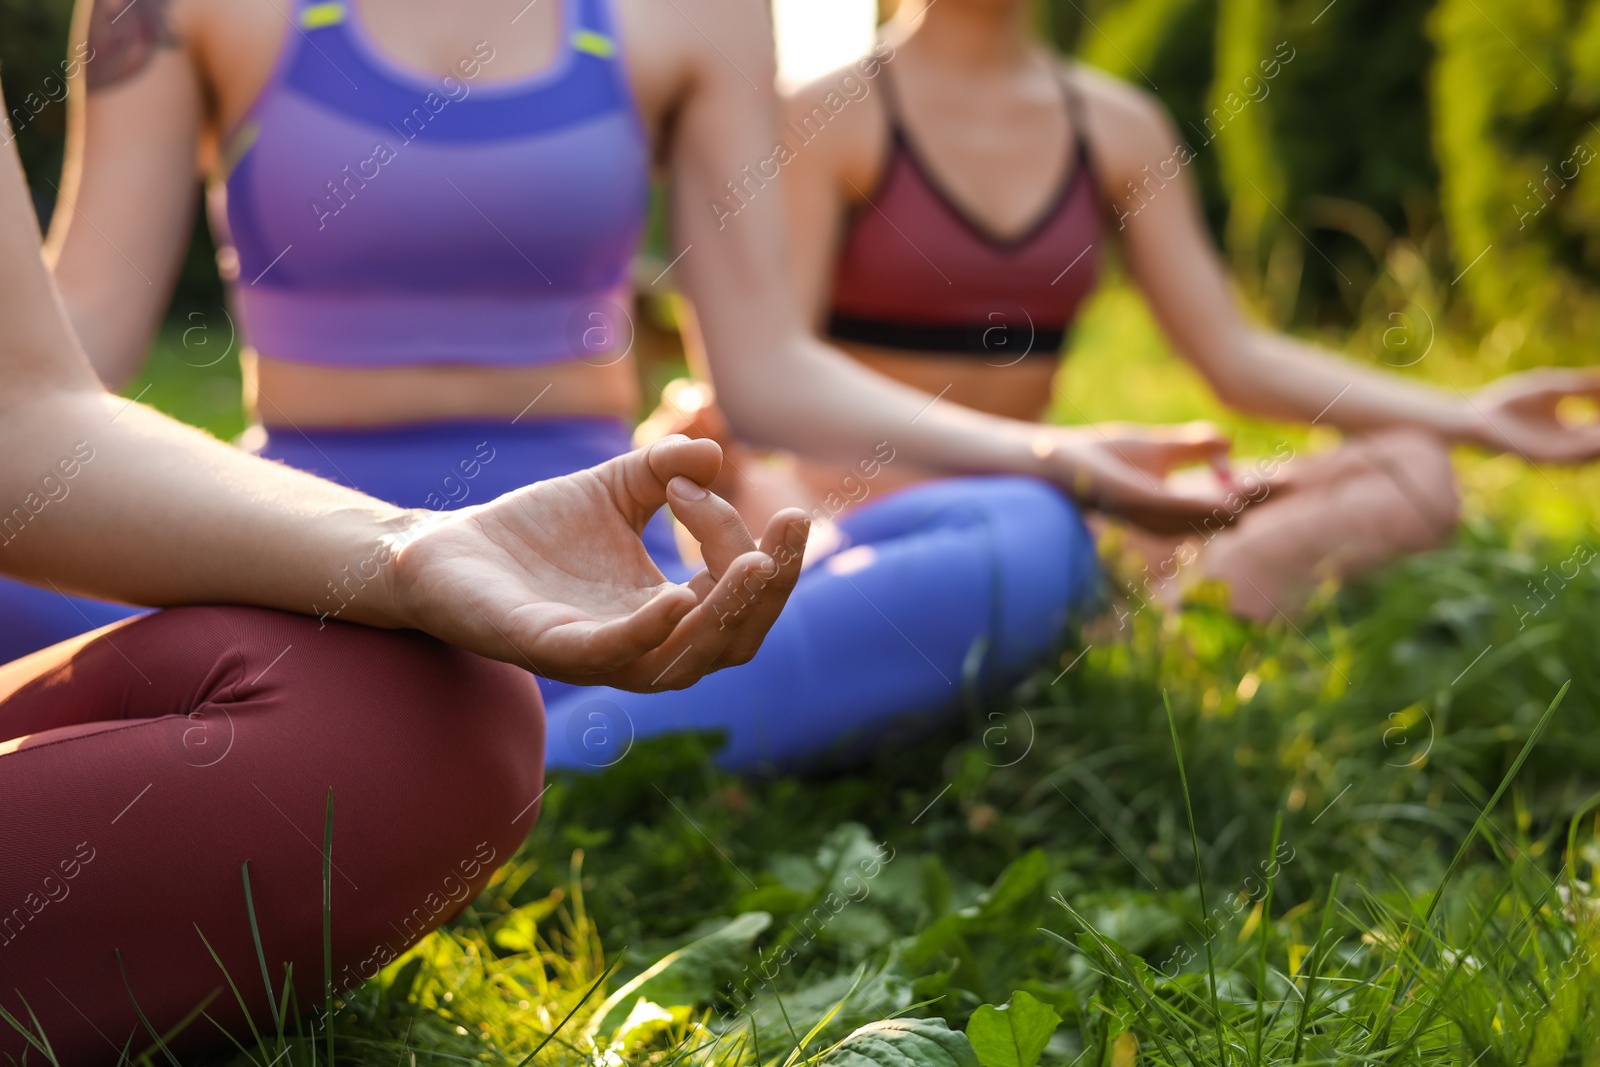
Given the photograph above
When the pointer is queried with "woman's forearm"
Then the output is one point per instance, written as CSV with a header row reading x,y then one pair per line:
x,y
815,400
1278,377
105,497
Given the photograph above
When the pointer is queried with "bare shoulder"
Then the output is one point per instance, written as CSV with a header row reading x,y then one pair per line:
x,y
674,48
230,45
1128,126
123,37
851,94
841,118
707,37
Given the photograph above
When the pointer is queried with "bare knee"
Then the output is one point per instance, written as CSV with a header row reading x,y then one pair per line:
x,y
1381,496
1414,466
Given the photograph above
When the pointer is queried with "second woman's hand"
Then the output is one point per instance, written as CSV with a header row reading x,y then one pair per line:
x,y
1122,469
554,577
1521,413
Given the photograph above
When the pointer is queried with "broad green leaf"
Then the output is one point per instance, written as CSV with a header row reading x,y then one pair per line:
x,y
1012,1036
645,1021
903,1043
880,994
687,976
1019,889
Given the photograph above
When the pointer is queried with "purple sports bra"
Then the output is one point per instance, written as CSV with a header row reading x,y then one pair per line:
x,y
377,217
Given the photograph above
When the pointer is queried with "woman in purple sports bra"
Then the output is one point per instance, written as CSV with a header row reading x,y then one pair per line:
x,y
428,217
947,227
429,214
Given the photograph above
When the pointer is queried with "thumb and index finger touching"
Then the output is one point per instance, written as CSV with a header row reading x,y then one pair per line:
x,y
640,479
1192,443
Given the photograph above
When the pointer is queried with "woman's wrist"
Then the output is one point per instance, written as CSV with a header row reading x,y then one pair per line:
x,y
1031,450
1468,424
377,589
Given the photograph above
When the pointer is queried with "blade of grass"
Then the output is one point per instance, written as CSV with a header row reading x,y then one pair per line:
x,y
178,1027
291,1009
261,957
1265,929
788,1024
405,1042
327,924
1571,863
1200,881
283,1010
162,1045
827,1018
1154,1004
37,1026
1314,957
249,1018
598,982
1505,783
42,1043
236,1042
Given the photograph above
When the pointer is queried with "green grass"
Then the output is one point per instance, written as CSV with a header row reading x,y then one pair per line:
x,y
1394,832
192,373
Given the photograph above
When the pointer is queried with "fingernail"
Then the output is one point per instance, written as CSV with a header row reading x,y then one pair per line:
x,y
687,489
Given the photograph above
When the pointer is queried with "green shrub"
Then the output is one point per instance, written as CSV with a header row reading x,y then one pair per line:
x,y
1516,90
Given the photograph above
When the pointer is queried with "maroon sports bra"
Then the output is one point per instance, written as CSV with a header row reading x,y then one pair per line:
x,y
917,272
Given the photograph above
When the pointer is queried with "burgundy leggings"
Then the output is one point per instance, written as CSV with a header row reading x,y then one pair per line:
x,y
149,760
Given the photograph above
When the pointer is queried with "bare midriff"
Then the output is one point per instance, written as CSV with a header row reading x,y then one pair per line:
x,y
1019,391
285,393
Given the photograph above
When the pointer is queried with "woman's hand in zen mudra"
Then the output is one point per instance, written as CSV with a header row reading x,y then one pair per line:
x,y
1524,413
1124,469
554,577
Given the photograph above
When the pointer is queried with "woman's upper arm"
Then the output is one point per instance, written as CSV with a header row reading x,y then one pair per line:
x,y
727,199
1144,165
826,178
127,196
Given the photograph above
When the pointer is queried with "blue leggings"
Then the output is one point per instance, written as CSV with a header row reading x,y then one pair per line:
x,y
35,617
935,587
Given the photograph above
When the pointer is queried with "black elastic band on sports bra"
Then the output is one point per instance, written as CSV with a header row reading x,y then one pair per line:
x,y
998,342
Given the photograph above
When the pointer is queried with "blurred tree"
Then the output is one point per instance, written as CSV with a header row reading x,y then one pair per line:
x,y
1337,139
1238,121
1516,95
33,55
1352,121
1164,46
33,45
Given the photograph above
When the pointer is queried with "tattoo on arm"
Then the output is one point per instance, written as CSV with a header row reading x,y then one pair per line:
x,y
124,36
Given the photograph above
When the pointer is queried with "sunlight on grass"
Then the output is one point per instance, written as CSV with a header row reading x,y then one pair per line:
x,y
1335,767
